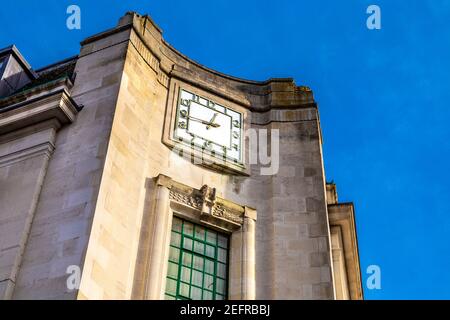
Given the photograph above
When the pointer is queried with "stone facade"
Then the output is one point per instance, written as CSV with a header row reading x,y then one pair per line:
x,y
88,178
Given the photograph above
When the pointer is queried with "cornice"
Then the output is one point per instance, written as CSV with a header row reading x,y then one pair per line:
x,y
56,105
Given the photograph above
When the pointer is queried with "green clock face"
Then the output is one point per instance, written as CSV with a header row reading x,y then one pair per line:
x,y
209,126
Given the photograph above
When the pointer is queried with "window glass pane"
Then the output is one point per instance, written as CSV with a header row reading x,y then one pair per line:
x,y
210,251
174,254
222,255
199,247
207,295
176,224
188,228
209,282
167,297
198,263
221,270
184,290
172,271
211,237
186,259
186,274
187,243
197,278
199,233
196,293
223,241
209,266
220,297
171,286
175,239
220,285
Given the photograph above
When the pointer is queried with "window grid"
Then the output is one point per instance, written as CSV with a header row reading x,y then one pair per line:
x,y
196,250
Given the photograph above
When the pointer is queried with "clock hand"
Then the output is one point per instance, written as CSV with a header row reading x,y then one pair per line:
x,y
215,125
211,122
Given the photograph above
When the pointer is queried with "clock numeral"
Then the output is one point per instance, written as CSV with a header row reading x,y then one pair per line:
x,y
195,98
235,134
207,145
182,125
183,113
211,104
186,102
235,146
236,124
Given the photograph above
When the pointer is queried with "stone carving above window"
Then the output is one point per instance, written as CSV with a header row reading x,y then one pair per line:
x,y
211,209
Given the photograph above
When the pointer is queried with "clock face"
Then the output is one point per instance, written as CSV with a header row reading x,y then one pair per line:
x,y
207,125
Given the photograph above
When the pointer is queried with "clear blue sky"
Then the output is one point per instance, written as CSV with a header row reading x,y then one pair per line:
x,y
383,99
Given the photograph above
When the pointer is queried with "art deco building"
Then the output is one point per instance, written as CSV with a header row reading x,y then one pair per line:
x,y
158,178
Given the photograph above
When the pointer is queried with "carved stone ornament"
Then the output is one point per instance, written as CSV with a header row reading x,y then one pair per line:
x,y
211,208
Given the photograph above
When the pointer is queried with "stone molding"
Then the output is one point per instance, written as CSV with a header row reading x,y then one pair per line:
x,y
212,209
149,58
284,115
45,148
56,105
341,215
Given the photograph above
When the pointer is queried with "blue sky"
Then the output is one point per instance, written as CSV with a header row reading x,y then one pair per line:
x,y
383,98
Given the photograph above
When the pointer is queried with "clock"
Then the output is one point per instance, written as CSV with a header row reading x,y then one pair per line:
x,y
212,127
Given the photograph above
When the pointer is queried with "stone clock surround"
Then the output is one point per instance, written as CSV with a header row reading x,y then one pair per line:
x,y
220,164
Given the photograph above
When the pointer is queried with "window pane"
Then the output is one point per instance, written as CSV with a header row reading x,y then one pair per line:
x,y
172,271
207,295
222,255
198,263
187,259
220,285
184,290
221,270
209,266
175,239
174,254
188,228
199,247
187,243
197,278
167,297
171,286
196,293
223,241
186,274
220,297
211,237
209,282
176,224
210,251
199,233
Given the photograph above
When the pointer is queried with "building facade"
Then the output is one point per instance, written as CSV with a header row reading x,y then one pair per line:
x,y
132,172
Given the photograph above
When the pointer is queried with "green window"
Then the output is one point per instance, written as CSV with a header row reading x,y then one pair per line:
x,y
198,263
